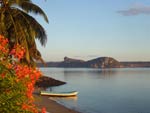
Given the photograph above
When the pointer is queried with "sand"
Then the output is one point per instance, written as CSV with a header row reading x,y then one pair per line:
x,y
50,105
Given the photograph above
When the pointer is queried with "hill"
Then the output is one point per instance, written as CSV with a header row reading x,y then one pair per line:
x,y
101,62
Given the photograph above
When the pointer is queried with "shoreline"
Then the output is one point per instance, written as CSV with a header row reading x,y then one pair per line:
x,y
50,105
45,101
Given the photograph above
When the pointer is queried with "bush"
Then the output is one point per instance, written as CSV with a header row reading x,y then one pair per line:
x,y
16,80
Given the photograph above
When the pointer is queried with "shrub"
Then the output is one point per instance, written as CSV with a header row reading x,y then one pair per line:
x,y
16,80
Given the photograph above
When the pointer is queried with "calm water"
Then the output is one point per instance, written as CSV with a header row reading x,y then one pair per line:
x,y
104,91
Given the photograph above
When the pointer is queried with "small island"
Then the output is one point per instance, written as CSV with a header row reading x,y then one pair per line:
x,y
100,62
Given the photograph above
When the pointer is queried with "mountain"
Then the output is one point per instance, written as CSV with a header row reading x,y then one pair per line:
x,y
101,62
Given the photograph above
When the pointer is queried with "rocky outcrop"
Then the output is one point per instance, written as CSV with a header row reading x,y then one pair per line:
x,y
101,62
70,62
44,82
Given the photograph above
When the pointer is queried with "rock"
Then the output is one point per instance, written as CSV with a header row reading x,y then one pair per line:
x,y
101,62
45,82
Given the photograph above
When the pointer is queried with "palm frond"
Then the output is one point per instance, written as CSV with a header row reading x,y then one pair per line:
x,y
11,2
19,27
28,6
2,24
31,24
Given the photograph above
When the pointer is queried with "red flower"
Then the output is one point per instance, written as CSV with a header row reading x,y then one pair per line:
x,y
43,110
23,75
3,75
25,106
18,51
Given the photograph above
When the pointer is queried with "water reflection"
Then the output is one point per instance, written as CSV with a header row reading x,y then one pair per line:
x,y
73,98
92,73
70,101
105,91
68,73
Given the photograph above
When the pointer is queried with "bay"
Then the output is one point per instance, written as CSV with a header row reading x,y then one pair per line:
x,y
122,90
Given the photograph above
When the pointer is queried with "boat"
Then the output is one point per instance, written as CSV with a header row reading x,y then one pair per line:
x,y
59,94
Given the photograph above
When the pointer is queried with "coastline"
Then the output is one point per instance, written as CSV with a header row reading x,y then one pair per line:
x,y
44,101
50,105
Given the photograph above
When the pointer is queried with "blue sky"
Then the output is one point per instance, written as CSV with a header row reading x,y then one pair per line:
x,y
87,29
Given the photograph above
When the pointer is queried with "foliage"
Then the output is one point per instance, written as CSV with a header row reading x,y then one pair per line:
x,y
16,80
21,28
18,53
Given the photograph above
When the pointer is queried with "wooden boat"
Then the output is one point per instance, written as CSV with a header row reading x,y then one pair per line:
x,y
60,94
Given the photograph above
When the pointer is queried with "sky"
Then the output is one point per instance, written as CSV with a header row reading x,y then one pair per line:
x,y
87,29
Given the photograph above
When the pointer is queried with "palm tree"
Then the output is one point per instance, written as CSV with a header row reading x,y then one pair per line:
x,y
21,28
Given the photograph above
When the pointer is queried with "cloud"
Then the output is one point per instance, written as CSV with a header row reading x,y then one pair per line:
x,y
136,9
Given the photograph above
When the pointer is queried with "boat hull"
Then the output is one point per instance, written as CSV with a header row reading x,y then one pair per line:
x,y
62,94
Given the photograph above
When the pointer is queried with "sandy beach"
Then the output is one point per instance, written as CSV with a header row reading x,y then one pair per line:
x,y
45,101
50,105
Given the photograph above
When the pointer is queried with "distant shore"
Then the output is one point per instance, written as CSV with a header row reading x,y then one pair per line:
x,y
44,101
100,62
